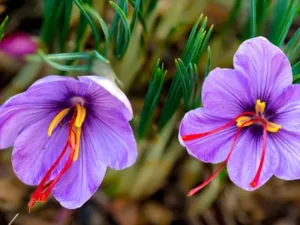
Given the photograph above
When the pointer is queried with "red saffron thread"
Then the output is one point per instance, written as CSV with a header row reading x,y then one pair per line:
x,y
44,189
256,179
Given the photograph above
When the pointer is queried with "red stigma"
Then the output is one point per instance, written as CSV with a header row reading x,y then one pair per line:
x,y
45,187
254,182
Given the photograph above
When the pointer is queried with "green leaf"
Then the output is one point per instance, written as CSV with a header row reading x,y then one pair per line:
x,y
186,80
207,69
151,99
53,10
62,56
150,5
2,26
90,22
81,68
103,27
293,41
65,24
100,57
195,46
140,15
292,12
135,14
278,18
122,35
252,18
296,68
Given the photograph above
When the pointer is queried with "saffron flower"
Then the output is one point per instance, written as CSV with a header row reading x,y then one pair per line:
x,y
65,133
250,119
18,45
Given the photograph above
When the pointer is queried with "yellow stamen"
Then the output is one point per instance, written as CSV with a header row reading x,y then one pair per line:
x,y
78,135
260,107
243,119
273,127
81,113
72,139
56,120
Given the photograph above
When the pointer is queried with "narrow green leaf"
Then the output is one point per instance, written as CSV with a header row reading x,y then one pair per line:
x,y
296,68
191,38
141,16
185,78
2,26
150,6
151,98
62,56
252,18
54,11
207,69
123,36
204,44
195,46
291,43
296,79
82,68
293,10
103,27
294,50
135,14
65,24
90,22
100,57
277,20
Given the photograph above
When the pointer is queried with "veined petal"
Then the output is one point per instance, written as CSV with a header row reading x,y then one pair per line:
x,y
226,93
213,148
34,152
286,109
83,178
106,94
112,138
244,161
287,144
266,66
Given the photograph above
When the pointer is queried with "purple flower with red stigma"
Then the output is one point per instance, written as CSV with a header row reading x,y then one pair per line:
x,y
250,119
65,132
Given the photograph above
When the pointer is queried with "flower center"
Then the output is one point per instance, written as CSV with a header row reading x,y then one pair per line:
x,y
243,120
259,109
73,143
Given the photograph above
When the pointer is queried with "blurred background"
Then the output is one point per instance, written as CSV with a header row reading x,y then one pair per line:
x,y
190,37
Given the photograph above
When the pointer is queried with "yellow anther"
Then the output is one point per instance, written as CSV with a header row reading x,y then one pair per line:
x,y
260,107
57,119
243,119
78,135
273,127
81,113
72,140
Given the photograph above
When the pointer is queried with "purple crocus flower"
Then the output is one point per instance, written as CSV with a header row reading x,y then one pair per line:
x,y
18,44
65,133
250,119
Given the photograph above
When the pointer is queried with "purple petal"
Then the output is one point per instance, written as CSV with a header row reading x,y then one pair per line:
x,y
245,159
84,176
287,144
112,137
213,148
265,65
34,152
226,92
18,44
286,107
107,94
